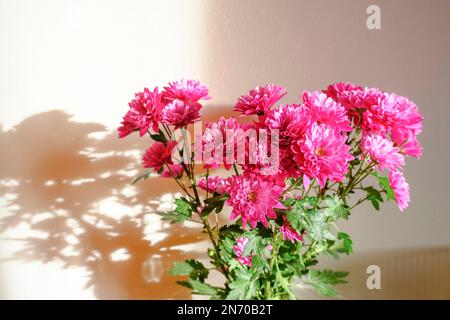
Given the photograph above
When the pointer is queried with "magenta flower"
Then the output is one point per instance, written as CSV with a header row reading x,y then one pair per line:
x,y
290,120
322,109
176,170
382,151
213,184
322,154
144,113
259,100
288,233
180,114
398,183
253,199
238,249
188,91
158,155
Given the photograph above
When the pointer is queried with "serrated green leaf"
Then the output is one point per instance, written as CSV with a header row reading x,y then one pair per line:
x,y
192,268
199,287
374,196
322,281
347,243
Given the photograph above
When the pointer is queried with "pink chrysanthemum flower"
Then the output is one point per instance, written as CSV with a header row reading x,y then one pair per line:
x,y
180,114
220,142
322,109
288,233
144,113
259,100
238,249
176,170
212,184
253,199
382,151
337,90
290,120
323,154
188,91
158,155
398,183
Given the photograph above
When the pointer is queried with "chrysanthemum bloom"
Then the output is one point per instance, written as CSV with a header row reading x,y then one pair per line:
x,y
382,151
188,91
398,184
144,113
174,170
238,249
158,155
288,233
253,199
290,121
322,109
259,100
339,90
212,184
221,141
180,114
322,154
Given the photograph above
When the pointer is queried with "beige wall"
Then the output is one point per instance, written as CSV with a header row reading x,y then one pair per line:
x,y
88,57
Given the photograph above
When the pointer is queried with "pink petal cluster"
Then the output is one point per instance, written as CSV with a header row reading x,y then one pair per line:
x,y
289,233
398,184
322,109
158,155
382,151
176,105
259,100
144,113
180,114
323,154
238,249
253,199
213,184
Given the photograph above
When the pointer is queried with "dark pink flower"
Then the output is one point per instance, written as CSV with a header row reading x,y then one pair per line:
x,y
158,155
400,187
253,199
289,233
144,113
259,100
188,91
323,154
238,249
180,114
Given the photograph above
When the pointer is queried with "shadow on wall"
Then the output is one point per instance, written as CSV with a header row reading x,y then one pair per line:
x,y
68,183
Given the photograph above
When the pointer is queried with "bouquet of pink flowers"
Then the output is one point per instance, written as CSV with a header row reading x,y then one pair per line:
x,y
293,171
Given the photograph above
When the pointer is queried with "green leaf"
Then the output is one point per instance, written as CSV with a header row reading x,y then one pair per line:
x,y
322,281
215,203
374,196
384,182
142,176
159,136
193,268
182,211
347,243
335,208
199,287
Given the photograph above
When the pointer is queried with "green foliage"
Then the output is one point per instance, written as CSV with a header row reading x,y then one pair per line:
x,y
192,268
199,287
159,136
374,196
323,281
384,182
215,203
142,176
182,212
347,243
